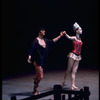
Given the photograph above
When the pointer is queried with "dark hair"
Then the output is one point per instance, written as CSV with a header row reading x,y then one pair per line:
x,y
40,28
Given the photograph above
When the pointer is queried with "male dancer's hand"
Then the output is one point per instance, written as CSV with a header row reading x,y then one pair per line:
x,y
61,33
29,59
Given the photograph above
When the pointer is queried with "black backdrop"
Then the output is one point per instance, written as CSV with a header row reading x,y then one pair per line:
x,y
20,19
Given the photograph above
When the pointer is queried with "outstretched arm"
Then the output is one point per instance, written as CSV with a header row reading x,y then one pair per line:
x,y
58,37
69,37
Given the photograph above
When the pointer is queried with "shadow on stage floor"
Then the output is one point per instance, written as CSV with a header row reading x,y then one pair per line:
x,y
22,85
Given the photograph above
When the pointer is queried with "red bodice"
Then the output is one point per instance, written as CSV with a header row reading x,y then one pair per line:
x,y
77,45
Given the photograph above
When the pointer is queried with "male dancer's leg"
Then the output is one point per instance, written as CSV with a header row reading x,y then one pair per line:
x,y
39,76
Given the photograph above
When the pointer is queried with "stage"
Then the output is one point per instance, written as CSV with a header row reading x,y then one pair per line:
x,y
22,85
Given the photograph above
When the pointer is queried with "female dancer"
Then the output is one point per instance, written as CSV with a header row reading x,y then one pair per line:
x,y
75,55
38,55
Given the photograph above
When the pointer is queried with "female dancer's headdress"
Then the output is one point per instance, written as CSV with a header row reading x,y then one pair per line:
x,y
75,26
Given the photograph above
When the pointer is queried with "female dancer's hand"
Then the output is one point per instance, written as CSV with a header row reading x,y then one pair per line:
x,y
64,32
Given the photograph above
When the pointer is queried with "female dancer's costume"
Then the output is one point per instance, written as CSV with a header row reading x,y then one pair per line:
x,y
76,52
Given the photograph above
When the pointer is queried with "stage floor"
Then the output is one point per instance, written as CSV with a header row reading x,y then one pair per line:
x,y
22,85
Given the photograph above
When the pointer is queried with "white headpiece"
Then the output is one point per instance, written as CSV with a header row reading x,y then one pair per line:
x,y
75,26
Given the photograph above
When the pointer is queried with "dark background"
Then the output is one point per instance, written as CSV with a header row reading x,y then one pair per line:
x,y
20,18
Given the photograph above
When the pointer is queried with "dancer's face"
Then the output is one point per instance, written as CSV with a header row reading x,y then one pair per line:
x,y
79,30
42,32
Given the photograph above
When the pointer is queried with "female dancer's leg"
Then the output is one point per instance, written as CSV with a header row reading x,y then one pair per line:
x,y
74,70
70,65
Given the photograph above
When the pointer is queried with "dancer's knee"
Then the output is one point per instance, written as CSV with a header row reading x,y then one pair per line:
x,y
68,70
40,77
74,71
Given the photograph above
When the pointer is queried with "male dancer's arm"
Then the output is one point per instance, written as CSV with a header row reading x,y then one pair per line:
x,y
58,37
32,50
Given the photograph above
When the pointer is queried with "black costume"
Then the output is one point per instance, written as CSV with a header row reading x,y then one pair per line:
x,y
39,53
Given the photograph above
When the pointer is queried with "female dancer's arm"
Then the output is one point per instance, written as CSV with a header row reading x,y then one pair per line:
x,y
69,37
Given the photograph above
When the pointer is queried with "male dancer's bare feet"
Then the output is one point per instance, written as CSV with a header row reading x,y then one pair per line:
x,y
35,92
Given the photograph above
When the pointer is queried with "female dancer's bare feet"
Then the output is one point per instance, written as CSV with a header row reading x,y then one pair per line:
x,y
63,83
74,87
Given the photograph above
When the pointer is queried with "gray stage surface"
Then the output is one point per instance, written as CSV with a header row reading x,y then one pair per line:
x,y
22,85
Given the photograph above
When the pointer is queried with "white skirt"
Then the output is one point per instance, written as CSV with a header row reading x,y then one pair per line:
x,y
75,57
